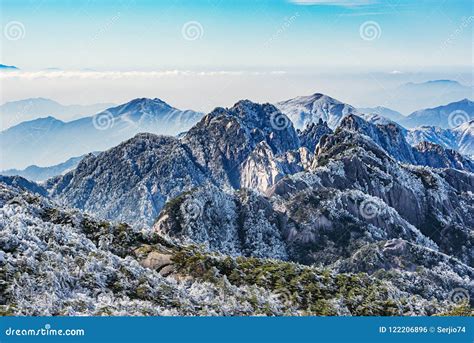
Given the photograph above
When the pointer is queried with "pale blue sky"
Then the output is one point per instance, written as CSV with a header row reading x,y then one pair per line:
x,y
147,35
354,50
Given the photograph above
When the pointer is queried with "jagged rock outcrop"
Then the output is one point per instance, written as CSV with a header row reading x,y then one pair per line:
x,y
311,135
242,223
262,168
460,138
391,138
436,201
434,155
225,138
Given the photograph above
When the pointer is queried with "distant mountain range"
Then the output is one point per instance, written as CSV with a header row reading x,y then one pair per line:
x,y
48,141
446,116
412,96
38,174
384,112
435,86
15,112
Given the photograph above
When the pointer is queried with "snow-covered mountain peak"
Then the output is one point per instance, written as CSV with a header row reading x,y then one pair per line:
x,y
142,106
303,110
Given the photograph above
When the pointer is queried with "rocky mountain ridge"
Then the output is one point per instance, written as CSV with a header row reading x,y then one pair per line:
x,y
239,210
247,146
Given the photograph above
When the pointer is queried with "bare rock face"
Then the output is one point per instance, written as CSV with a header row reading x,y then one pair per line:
x,y
156,260
389,137
262,169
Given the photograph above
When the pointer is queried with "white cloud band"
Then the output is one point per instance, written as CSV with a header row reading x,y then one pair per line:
x,y
59,74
